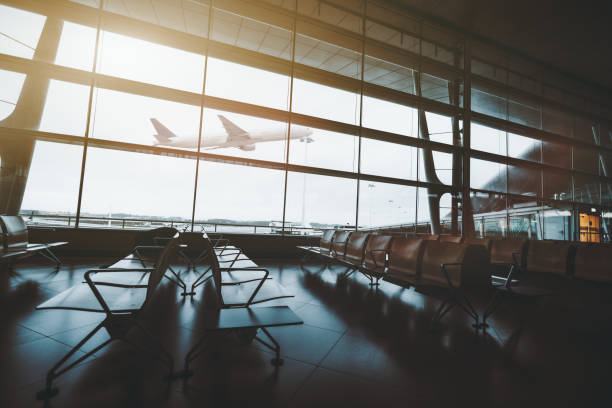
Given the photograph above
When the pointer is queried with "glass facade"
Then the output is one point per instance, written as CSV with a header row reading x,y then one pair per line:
x,y
290,116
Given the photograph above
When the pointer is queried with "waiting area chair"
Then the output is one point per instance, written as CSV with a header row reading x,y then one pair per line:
x,y
120,294
16,245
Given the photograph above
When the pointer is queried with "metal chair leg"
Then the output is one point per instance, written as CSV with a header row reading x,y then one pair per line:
x,y
276,361
442,310
169,360
55,372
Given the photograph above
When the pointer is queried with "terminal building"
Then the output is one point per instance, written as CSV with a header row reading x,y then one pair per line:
x,y
300,202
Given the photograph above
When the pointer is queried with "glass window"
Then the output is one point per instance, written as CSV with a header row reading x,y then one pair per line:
x,y
586,160
323,148
251,34
556,154
320,201
586,189
328,57
243,83
446,214
144,61
77,46
12,82
325,102
434,88
443,167
390,117
524,218
440,128
525,114
130,185
486,175
524,180
388,159
557,222
386,205
488,139
129,118
19,31
230,194
556,121
52,189
186,16
489,214
65,109
557,185
423,211
389,75
524,148
488,104
237,135
322,10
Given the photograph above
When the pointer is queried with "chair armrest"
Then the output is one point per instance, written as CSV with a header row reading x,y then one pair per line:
x,y
121,270
263,279
148,247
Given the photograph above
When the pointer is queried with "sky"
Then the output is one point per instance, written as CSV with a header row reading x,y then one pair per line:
x,y
155,185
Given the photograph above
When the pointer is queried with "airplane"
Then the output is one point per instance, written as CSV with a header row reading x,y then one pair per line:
x,y
234,136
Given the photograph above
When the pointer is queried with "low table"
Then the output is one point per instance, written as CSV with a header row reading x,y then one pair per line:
x,y
243,320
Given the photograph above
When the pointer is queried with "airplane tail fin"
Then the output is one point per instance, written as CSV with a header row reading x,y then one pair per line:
x,y
163,133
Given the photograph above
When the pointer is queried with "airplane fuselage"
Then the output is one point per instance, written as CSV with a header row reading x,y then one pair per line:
x,y
218,140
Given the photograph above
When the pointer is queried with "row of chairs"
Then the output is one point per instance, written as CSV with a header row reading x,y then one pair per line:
x,y
16,244
123,290
456,269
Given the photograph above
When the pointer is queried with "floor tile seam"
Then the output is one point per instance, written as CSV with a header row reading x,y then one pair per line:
x,y
42,380
60,332
325,328
301,385
331,348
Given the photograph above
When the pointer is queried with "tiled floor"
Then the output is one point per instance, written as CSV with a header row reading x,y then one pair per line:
x,y
358,347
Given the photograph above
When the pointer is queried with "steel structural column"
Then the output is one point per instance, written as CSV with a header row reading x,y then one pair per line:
x,y
467,213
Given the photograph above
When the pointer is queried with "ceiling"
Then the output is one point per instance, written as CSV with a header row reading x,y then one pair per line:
x,y
575,40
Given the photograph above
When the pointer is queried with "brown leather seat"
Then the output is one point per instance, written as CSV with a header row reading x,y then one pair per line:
x,y
457,239
429,237
338,247
593,263
551,257
355,248
485,242
376,252
326,241
473,271
405,257
502,250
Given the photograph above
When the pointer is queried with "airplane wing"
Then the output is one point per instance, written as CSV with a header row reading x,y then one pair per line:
x,y
234,132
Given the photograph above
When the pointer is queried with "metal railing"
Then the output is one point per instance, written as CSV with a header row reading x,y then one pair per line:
x,y
54,220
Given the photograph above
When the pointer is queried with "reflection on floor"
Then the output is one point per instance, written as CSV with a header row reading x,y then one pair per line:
x,y
358,347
